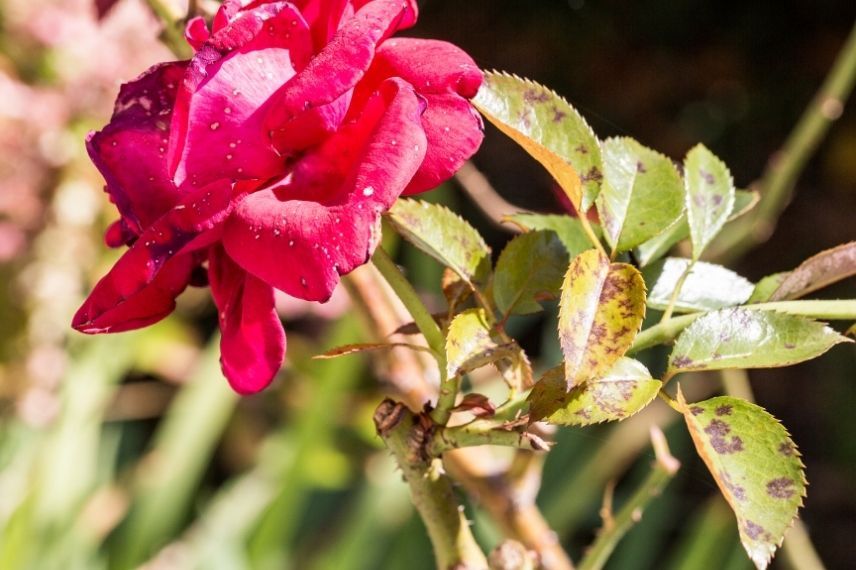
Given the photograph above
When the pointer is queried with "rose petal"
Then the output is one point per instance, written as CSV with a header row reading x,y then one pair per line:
x,y
219,129
447,77
324,18
141,286
137,135
196,32
322,220
252,345
322,87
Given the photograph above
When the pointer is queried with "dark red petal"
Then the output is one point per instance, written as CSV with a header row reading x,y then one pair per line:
x,y
140,287
219,129
447,77
323,220
324,18
331,74
196,33
119,234
137,135
252,346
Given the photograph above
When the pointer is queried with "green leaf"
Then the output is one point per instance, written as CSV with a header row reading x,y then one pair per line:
x,y
530,269
621,392
569,229
601,309
746,338
765,288
641,196
444,236
470,343
708,287
657,247
549,129
755,464
710,196
817,272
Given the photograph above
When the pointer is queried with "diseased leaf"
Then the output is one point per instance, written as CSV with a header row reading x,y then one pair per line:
x,y
455,289
755,464
657,247
707,287
747,338
477,404
347,349
567,228
765,288
621,392
710,196
549,129
641,195
470,344
600,311
444,236
818,271
530,269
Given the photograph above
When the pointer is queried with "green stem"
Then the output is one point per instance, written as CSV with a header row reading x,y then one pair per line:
x,y
449,387
483,433
173,26
787,164
631,513
678,286
430,489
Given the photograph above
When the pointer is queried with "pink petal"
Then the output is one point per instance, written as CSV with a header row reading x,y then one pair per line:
x,y
137,135
252,347
447,77
142,285
331,74
219,129
196,32
324,18
322,221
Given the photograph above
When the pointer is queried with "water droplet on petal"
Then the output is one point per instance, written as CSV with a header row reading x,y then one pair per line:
x,y
227,110
368,191
214,126
303,281
291,243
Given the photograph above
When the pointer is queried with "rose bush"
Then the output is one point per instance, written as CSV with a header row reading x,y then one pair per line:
x,y
266,160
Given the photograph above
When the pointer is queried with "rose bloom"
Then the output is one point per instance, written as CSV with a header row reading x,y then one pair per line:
x,y
266,161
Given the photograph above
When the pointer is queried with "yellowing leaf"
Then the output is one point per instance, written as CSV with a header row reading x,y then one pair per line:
x,y
443,235
549,129
710,196
601,309
623,391
755,464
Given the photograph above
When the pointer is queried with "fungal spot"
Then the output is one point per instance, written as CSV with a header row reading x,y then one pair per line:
x,y
707,176
682,362
786,448
781,488
717,200
718,431
790,346
640,168
581,149
753,530
724,410
558,115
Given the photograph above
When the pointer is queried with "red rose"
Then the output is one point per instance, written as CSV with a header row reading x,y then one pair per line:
x,y
270,156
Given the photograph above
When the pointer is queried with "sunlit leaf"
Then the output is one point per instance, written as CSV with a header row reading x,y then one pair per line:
x,y
710,196
601,309
621,392
530,269
755,464
707,287
641,196
747,338
549,129
444,236
818,271
569,229
470,343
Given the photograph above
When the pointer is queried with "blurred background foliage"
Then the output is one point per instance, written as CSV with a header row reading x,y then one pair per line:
x,y
129,450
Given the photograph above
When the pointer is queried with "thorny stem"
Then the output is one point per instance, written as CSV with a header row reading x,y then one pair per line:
x,y
631,513
786,165
449,387
483,433
797,547
430,490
